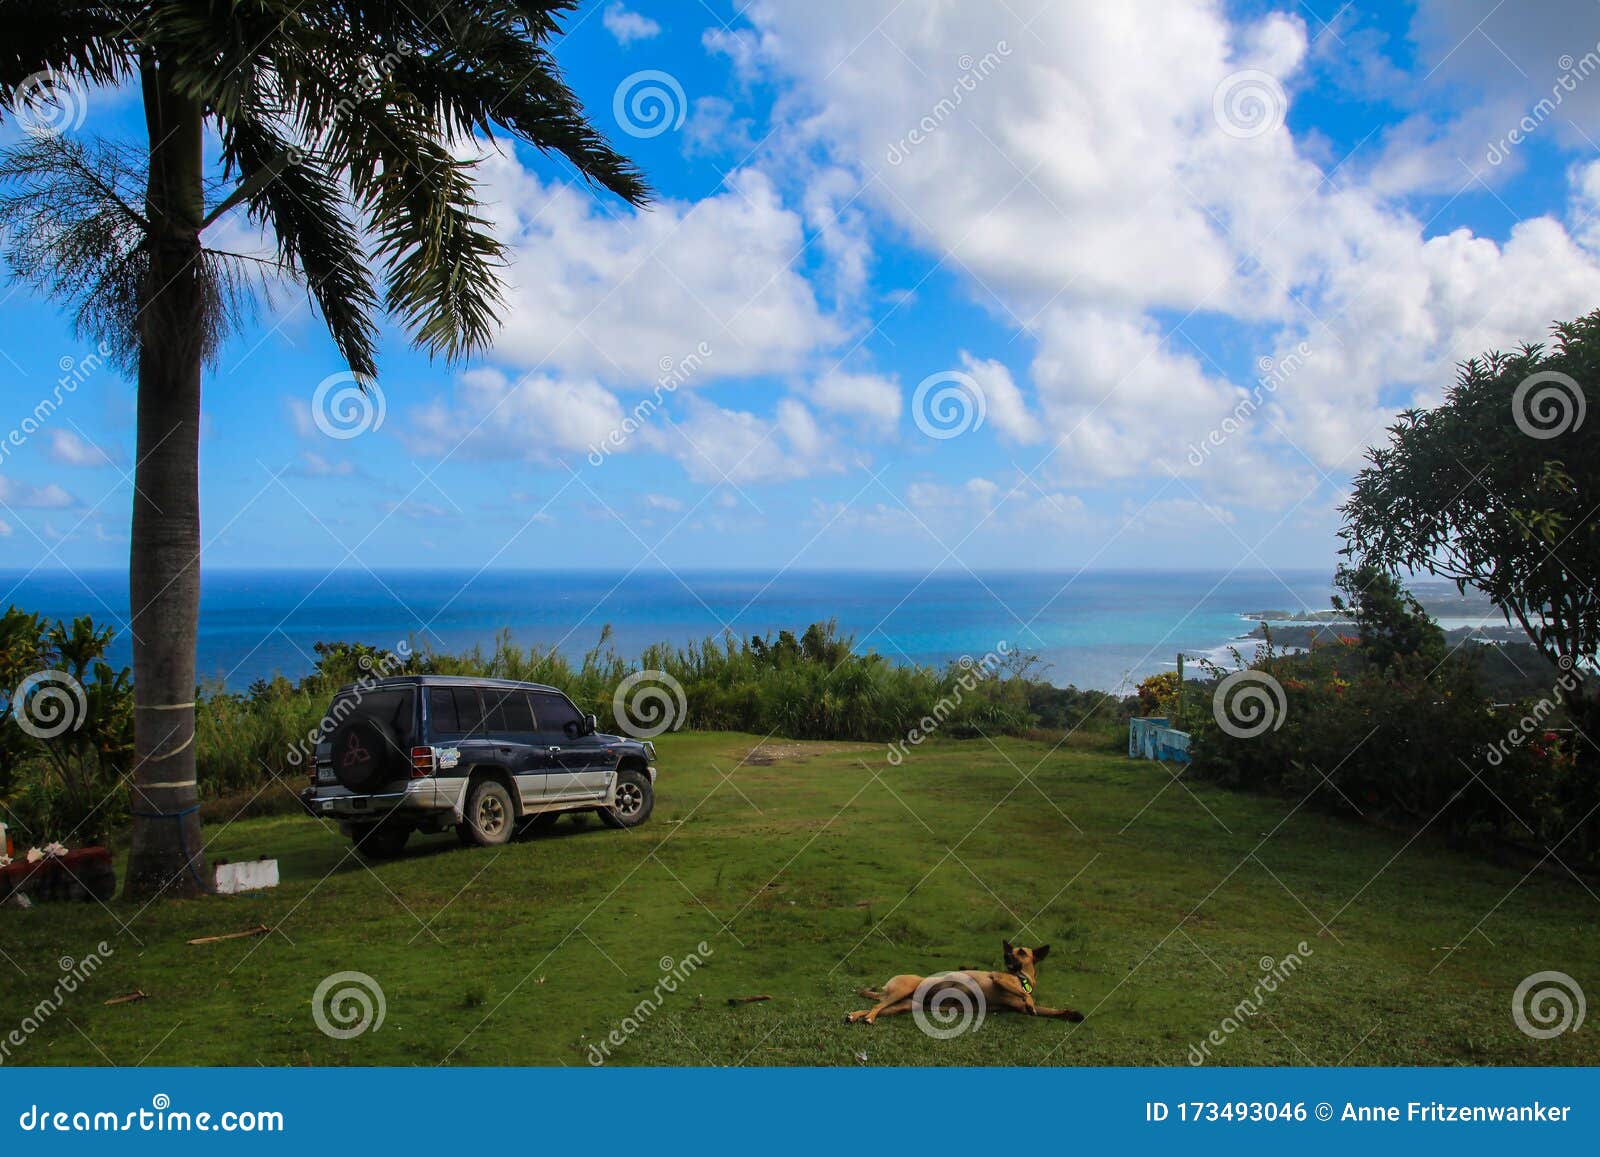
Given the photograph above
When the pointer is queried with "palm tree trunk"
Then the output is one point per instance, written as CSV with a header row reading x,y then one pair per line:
x,y
164,571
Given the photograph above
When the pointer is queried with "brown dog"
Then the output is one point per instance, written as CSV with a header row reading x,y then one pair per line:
x,y
1011,989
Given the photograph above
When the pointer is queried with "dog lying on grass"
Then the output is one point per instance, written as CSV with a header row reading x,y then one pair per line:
x,y
1011,989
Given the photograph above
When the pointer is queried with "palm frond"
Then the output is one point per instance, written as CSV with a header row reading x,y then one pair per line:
x,y
72,234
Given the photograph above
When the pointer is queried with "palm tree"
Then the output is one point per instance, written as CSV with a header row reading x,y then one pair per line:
x,y
341,125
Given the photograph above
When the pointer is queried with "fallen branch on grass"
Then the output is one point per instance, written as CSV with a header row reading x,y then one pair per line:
x,y
133,997
258,930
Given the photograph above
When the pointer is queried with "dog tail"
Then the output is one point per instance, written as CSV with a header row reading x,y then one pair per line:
x,y
871,993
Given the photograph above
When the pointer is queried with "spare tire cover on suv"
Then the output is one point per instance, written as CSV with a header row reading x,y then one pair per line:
x,y
367,754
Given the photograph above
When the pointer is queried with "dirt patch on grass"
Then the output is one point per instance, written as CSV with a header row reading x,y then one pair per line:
x,y
767,754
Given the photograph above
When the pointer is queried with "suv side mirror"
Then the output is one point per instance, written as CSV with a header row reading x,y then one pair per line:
x,y
590,725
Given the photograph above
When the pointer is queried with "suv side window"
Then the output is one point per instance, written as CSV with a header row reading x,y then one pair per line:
x,y
518,713
469,711
442,717
557,716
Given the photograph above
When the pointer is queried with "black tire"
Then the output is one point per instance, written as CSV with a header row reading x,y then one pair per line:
x,y
635,800
367,754
381,841
490,817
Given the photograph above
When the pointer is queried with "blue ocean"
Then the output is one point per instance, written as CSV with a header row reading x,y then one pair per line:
x,y
1096,629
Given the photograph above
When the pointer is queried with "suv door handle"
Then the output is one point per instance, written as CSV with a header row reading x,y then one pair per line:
x,y
554,750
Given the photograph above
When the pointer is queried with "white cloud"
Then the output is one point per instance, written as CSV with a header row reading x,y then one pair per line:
x,y
720,445
1004,407
872,397
627,26
72,449
1117,216
610,293
536,418
50,496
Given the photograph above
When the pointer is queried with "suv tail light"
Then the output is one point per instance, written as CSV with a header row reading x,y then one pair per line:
x,y
423,762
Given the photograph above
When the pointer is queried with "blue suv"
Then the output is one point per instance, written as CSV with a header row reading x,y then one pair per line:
x,y
482,756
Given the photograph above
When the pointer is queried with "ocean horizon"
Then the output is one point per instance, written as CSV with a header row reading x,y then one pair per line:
x,y
1102,629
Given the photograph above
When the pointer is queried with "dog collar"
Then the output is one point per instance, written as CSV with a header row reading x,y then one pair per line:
x,y
1027,985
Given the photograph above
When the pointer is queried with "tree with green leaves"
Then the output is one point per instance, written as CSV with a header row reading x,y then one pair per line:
x,y
340,128
1498,489
1392,625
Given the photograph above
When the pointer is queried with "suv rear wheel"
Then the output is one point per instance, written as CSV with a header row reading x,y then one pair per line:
x,y
635,800
490,816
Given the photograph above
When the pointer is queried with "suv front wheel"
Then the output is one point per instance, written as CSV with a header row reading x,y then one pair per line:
x,y
635,799
490,816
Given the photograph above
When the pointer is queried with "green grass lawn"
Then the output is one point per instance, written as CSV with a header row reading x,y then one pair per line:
x,y
809,876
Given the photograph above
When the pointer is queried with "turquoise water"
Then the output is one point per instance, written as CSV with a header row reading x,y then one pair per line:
x,y
1095,628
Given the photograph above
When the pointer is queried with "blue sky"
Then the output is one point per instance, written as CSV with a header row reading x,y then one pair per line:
x,y
978,285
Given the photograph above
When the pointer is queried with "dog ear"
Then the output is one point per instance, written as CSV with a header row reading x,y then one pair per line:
x,y
1041,952
1009,951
